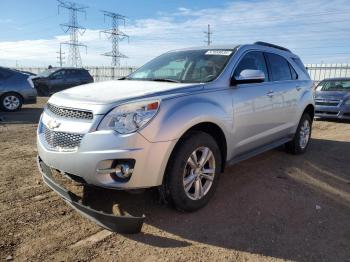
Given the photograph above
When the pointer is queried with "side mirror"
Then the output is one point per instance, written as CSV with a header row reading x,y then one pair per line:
x,y
248,76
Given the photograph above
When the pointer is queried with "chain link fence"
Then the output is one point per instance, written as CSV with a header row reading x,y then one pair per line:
x,y
317,72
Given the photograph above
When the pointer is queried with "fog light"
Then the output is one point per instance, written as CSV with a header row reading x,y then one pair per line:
x,y
119,170
123,171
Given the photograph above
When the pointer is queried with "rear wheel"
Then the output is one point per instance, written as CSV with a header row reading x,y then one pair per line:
x,y
192,172
11,102
302,136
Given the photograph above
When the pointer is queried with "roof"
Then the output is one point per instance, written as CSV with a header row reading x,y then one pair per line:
x,y
260,45
75,68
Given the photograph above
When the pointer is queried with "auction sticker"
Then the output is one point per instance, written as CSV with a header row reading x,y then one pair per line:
x,y
218,52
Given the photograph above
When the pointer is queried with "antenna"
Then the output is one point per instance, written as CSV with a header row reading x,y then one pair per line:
x,y
115,35
74,30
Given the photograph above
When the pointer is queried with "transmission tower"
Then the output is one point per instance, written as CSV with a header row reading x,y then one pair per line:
x,y
208,36
115,35
74,30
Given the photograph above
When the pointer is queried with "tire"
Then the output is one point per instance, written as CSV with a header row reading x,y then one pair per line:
x,y
179,170
298,145
11,102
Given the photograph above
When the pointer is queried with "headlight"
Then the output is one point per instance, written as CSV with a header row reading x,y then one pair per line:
x,y
347,102
129,118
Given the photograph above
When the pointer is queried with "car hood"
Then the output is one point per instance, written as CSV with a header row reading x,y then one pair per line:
x,y
104,94
337,95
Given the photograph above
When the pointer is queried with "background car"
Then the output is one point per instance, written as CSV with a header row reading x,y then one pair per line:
x,y
332,98
16,88
57,79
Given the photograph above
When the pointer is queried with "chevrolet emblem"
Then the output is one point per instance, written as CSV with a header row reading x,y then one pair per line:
x,y
52,124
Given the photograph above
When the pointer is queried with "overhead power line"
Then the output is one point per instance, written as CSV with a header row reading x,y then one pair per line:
x,y
115,35
74,30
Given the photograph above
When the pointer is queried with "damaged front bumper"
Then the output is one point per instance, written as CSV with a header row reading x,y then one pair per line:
x,y
122,224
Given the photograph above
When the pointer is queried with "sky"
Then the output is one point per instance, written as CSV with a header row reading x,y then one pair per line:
x,y
317,31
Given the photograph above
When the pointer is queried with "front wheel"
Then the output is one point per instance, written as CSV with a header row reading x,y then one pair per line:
x,y
302,136
192,172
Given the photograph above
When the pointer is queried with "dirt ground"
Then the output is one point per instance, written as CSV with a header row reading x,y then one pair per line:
x,y
272,207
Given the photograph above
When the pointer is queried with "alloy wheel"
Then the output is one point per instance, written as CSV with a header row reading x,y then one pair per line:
x,y
199,173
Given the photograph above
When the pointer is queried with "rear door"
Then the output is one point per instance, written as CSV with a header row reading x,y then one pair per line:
x,y
254,113
73,78
284,82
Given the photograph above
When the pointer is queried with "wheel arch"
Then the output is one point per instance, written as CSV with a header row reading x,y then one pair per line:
x,y
211,129
310,109
12,92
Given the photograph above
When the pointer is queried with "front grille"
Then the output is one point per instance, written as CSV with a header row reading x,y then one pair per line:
x,y
70,113
61,140
327,103
326,113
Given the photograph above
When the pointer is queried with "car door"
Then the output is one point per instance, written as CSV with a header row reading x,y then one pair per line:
x,y
284,83
254,113
57,81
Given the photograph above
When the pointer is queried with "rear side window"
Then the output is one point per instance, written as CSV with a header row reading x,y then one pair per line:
x,y
300,65
279,66
253,60
292,71
84,73
74,73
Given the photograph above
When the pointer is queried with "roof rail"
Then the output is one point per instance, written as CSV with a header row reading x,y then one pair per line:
x,y
272,45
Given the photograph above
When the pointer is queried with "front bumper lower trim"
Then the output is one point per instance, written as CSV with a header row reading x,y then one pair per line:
x,y
126,224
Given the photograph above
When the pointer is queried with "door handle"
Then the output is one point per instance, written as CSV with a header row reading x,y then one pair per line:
x,y
270,93
298,88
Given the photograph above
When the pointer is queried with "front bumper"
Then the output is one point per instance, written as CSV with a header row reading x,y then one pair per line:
x,y
122,224
334,112
99,149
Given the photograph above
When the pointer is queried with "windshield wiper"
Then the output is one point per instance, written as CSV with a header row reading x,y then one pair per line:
x,y
165,80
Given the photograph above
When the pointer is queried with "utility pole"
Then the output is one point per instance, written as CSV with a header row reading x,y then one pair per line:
x,y
115,35
208,35
74,30
60,58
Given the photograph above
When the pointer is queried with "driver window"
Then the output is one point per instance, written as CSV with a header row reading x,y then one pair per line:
x,y
58,75
253,60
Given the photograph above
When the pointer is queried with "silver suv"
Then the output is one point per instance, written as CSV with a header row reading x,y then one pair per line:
x,y
175,124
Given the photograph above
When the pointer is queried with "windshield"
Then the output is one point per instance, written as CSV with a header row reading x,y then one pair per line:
x,y
192,66
46,73
334,85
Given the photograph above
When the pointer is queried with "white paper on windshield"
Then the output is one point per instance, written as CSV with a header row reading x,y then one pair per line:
x,y
218,52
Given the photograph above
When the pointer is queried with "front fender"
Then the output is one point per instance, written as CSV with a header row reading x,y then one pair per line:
x,y
177,115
